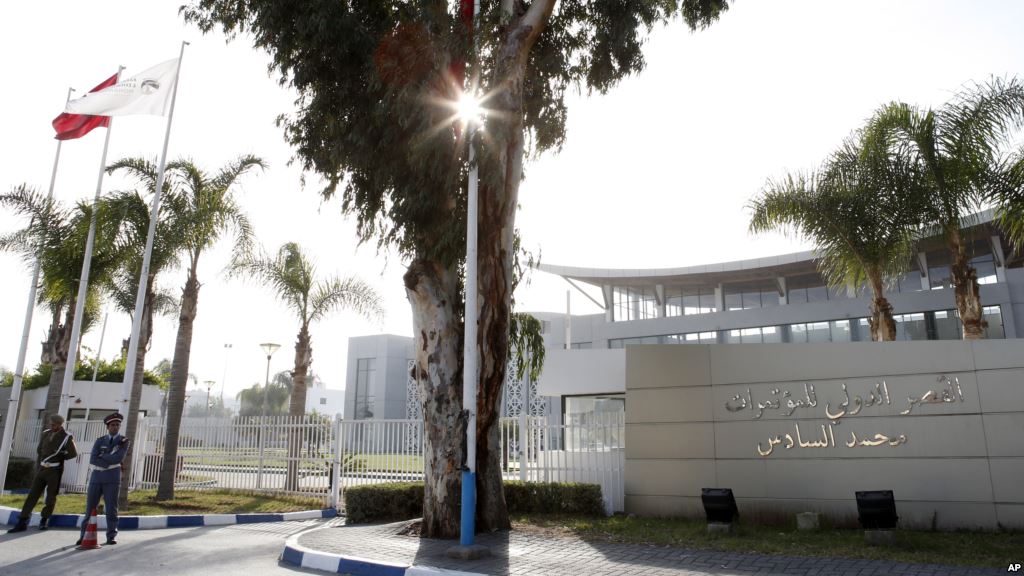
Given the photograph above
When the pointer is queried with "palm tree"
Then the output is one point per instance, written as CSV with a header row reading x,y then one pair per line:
x,y
856,211
167,243
57,235
956,150
206,210
292,275
1009,197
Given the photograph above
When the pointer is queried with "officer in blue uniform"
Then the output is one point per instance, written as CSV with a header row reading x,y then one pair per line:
x,y
105,477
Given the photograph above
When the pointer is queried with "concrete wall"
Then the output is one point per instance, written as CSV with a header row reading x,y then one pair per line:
x,y
800,427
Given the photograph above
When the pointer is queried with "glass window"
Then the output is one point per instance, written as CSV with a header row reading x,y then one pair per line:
x,y
994,316
985,267
769,298
939,277
366,375
323,401
583,412
771,334
909,282
733,300
818,332
634,303
733,337
750,335
947,325
751,300
707,301
581,345
817,293
911,326
840,331
673,301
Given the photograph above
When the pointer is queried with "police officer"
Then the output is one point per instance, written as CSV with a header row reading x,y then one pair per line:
x,y
55,446
105,478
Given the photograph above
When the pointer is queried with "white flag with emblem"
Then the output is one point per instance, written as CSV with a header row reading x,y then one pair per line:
x,y
148,92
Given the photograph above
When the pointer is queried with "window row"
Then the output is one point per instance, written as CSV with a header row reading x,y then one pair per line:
x,y
932,325
640,303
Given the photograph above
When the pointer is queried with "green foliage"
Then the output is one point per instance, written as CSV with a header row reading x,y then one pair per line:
x,y
404,500
382,502
859,209
566,498
19,472
375,81
109,371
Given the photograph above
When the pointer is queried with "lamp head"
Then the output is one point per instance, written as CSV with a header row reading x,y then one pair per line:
x,y
269,348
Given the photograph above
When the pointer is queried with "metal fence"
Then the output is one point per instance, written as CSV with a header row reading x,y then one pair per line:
x,y
310,454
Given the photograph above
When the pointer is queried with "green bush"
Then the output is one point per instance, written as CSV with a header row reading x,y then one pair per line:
x,y
544,497
19,473
404,500
378,502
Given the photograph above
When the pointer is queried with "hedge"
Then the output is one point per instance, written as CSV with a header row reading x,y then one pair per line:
x,y
404,500
19,473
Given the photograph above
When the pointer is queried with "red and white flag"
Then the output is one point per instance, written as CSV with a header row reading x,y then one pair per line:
x,y
71,126
148,92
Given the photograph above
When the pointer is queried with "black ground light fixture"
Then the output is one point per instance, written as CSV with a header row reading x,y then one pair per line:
x,y
719,505
876,510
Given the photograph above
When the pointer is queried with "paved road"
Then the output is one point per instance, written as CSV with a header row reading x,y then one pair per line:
x,y
240,550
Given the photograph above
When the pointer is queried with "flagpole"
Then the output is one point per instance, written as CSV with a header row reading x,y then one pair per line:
x,y
470,351
15,399
83,279
140,298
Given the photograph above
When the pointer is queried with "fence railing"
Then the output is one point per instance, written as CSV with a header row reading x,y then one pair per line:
x,y
310,454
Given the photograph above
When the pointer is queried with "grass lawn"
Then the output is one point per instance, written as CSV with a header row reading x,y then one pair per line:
x,y
991,549
142,503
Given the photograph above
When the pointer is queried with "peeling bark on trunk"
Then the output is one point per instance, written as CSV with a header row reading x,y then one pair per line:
x,y
499,196
179,381
131,419
297,405
432,289
57,348
965,289
883,327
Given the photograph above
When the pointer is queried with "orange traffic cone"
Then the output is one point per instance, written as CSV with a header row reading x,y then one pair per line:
x,y
89,540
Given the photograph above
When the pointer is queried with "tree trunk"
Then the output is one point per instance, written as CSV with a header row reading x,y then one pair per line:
x,y
883,327
965,289
131,419
297,405
499,195
57,348
432,289
179,381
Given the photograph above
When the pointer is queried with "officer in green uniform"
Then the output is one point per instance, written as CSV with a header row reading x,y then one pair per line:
x,y
55,446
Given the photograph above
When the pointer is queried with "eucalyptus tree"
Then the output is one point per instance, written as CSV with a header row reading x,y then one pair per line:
x,y
958,150
858,210
378,84
291,274
206,209
57,235
167,245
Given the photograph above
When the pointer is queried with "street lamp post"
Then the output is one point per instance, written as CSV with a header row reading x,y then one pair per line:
x,y
224,378
269,348
209,386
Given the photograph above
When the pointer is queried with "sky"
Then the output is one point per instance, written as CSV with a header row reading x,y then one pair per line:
x,y
656,173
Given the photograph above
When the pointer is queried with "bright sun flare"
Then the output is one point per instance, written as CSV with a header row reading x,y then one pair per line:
x,y
468,107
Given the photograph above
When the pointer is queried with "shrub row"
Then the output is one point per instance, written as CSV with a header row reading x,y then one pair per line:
x,y
404,500
19,473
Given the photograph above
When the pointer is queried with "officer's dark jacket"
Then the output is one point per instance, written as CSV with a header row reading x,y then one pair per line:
x,y
52,448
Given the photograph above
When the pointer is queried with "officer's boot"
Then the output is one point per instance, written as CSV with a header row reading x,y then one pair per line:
x,y
44,523
21,526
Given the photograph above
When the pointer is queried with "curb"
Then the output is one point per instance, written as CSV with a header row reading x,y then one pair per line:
x,y
10,516
302,557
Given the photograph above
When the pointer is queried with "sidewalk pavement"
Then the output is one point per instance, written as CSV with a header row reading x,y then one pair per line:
x,y
379,549
10,516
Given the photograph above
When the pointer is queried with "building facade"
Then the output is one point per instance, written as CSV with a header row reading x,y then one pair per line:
x,y
779,299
